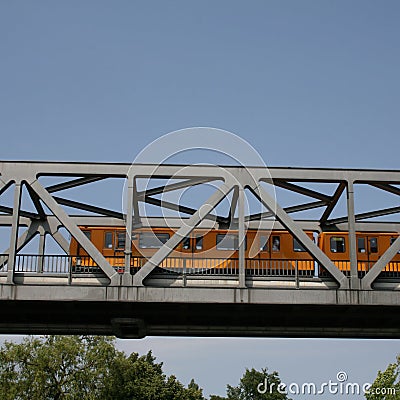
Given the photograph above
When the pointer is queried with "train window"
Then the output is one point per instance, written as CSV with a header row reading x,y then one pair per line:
x,y
87,234
276,243
186,243
108,240
338,244
297,246
373,245
263,243
361,245
149,240
120,240
392,240
228,242
199,243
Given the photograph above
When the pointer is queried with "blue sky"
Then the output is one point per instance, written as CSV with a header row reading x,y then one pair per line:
x,y
307,83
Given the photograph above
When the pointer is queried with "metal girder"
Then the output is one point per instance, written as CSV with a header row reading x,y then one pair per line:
x,y
74,183
302,190
22,240
88,207
367,215
387,188
27,214
73,229
234,201
36,202
4,185
289,210
171,187
183,232
180,208
299,234
332,203
354,281
14,233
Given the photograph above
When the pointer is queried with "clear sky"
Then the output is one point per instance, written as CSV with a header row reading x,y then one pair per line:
x,y
307,83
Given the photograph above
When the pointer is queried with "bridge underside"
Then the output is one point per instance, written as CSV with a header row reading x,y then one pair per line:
x,y
139,312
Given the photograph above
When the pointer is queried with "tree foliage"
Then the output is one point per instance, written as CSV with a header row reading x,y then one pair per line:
x,y
386,385
255,385
84,368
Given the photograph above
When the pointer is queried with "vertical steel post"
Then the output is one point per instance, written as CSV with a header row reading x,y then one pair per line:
x,y
354,281
129,226
135,201
42,241
242,239
14,233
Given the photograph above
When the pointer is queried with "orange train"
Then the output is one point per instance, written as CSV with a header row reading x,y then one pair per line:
x,y
218,249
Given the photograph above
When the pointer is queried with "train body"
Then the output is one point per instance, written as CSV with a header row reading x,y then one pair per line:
x,y
218,250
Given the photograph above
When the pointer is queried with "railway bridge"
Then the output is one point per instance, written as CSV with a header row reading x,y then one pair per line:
x,y
46,288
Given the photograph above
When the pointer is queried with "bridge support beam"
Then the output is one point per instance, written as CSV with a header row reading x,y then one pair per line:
x,y
242,239
12,255
354,280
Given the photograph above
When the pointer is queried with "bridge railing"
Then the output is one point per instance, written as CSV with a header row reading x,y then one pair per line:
x,y
189,266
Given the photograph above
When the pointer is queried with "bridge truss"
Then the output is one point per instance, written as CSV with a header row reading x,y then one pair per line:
x,y
27,280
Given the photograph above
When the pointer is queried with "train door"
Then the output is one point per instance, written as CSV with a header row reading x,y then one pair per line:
x,y
192,247
367,251
264,262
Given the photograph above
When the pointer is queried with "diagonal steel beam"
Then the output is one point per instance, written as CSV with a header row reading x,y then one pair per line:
x,y
51,227
367,215
4,185
172,187
73,229
22,213
179,235
299,234
332,203
288,210
36,202
378,267
183,209
74,183
22,241
234,202
302,190
12,254
387,188
88,207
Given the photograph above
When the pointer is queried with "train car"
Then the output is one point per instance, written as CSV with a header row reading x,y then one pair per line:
x,y
217,251
370,247
204,250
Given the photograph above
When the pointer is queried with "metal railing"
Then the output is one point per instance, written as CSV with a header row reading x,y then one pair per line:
x,y
78,265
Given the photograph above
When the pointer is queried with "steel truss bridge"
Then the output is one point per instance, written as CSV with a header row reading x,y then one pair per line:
x,y
134,296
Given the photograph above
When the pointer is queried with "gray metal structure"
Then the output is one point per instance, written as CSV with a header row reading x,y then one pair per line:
x,y
134,302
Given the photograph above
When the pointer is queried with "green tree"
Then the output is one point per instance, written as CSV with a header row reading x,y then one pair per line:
x,y
84,368
252,386
386,385
55,367
136,377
